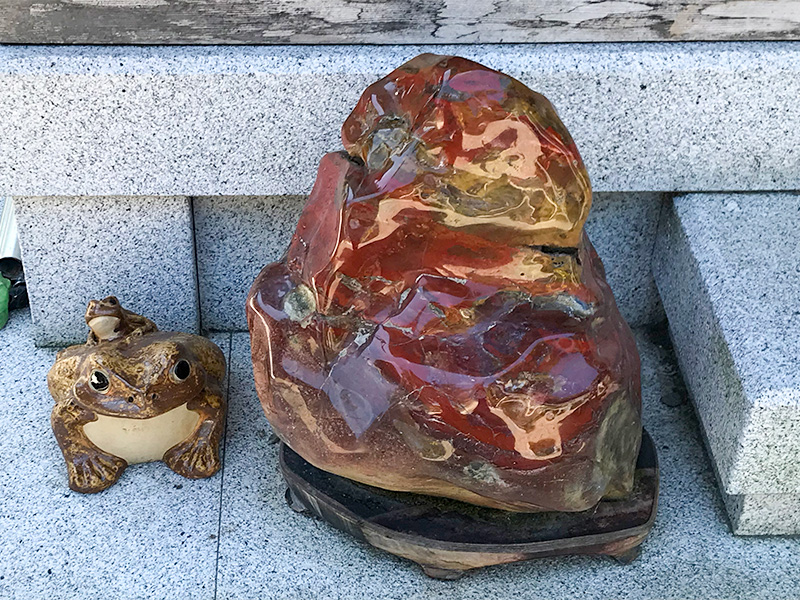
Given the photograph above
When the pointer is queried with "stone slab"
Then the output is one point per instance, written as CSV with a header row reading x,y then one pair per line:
x,y
764,514
267,551
237,235
255,120
138,249
622,228
151,535
727,269
124,542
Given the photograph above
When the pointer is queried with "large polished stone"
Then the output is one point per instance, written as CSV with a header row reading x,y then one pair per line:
x,y
441,323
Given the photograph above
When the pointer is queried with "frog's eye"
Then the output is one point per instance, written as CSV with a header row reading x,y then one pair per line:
x,y
98,381
182,370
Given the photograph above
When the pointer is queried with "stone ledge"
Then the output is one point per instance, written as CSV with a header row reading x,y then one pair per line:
x,y
206,121
148,250
726,267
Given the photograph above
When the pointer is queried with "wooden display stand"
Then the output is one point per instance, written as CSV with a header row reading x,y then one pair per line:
x,y
446,537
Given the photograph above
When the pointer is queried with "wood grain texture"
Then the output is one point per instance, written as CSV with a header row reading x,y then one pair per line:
x,y
392,21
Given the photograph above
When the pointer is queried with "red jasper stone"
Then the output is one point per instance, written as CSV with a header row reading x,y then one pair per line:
x,y
441,323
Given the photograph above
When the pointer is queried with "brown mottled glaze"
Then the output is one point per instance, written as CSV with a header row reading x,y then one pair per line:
x,y
108,321
138,380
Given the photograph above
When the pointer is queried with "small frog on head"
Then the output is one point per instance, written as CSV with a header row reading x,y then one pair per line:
x,y
108,321
135,394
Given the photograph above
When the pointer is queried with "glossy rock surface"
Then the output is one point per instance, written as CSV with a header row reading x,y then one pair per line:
x,y
441,323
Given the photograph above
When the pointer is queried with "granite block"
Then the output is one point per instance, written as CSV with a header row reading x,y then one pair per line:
x,y
622,228
727,272
235,237
138,249
151,535
764,514
267,551
234,120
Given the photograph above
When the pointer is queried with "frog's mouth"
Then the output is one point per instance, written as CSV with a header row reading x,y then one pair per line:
x,y
104,327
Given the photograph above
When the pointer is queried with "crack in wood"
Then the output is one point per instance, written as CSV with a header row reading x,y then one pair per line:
x,y
393,21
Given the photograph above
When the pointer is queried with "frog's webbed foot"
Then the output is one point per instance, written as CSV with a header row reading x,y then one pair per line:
x,y
198,455
194,458
90,472
89,469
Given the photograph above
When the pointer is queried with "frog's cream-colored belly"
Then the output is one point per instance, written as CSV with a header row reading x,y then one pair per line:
x,y
142,440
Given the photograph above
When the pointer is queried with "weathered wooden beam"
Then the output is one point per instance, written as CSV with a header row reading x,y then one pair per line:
x,y
392,21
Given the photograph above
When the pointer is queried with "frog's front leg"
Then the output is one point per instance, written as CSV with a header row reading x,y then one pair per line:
x,y
90,470
198,455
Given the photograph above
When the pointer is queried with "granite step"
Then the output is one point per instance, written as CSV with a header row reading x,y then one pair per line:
x,y
126,159
236,236
233,120
727,267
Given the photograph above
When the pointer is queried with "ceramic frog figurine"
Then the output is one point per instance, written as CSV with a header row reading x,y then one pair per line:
x,y
134,394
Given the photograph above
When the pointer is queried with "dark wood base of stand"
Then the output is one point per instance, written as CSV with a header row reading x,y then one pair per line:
x,y
447,537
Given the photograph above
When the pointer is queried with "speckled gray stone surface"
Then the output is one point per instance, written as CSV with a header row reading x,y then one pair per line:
x,y
148,538
622,228
728,271
138,249
255,120
267,551
237,235
151,535
760,514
